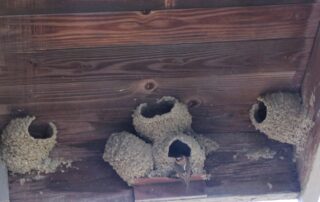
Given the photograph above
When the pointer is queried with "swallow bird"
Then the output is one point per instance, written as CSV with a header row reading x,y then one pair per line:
x,y
183,170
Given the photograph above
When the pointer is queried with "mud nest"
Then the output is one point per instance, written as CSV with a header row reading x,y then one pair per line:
x,y
206,143
158,120
282,117
166,151
166,124
129,156
25,147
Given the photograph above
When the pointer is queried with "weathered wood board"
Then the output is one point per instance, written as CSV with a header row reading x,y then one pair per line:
x,y
84,30
17,7
85,68
232,172
308,165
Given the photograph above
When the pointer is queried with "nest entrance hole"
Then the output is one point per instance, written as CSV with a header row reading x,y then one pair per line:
x,y
40,130
260,112
151,110
179,149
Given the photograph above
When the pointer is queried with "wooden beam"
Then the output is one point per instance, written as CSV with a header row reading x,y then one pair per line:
x,y
4,185
170,191
309,165
311,192
232,173
90,89
43,32
160,61
214,79
27,7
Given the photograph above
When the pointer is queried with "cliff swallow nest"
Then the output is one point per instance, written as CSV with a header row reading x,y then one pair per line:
x,y
166,126
24,151
282,117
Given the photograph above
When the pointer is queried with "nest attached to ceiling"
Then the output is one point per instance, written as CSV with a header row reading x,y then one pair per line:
x,y
281,117
165,124
166,116
207,144
23,150
166,151
130,156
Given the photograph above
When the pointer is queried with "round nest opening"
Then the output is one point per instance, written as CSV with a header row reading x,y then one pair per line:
x,y
165,117
282,117
178,149
160,108
165,152
40,130
26,146
260,112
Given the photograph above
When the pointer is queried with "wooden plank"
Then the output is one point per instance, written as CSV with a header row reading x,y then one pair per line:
x,y
90,177
4,185
234,174
219,81
16,7
164,180
311,95
169,192
90,93
286,197
145,62
311,82
89,102
222,100
43,32
311,191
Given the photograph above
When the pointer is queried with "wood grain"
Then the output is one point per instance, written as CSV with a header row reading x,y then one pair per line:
x,y
233,173
165,61
231,170
90,93
90,178
163,180
86,69
17,7
173,191
219,81
43,32
58,100
311,97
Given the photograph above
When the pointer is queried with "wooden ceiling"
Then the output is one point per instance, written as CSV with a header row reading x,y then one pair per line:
x,y
87,64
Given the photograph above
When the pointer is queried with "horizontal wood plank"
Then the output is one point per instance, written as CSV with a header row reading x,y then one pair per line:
x,y
87,72
220,102
90,177
231,168
170,191
147,62
42,32
219,81
17,7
